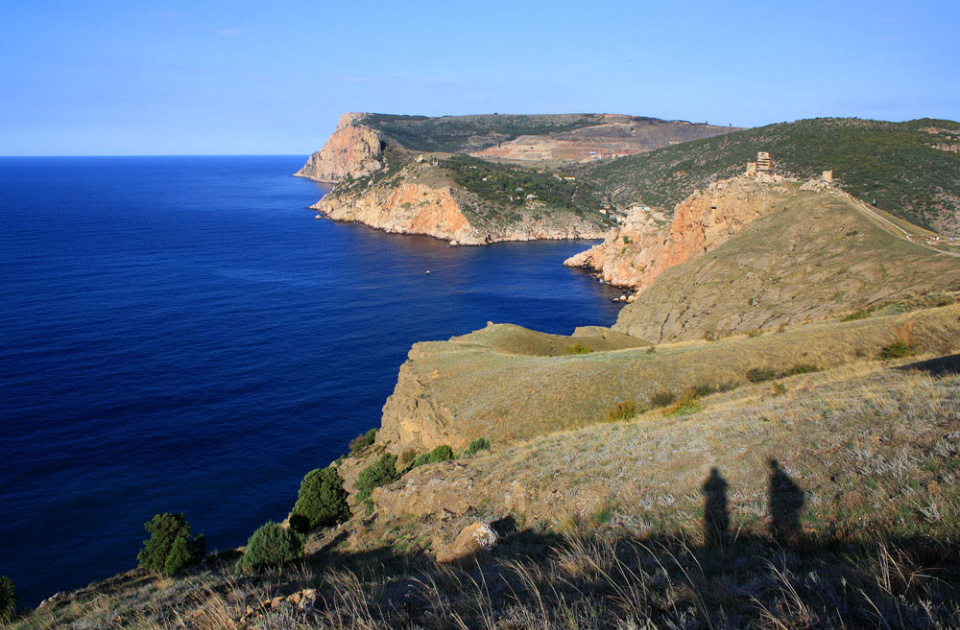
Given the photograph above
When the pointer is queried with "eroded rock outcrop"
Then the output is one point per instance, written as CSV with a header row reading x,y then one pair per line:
x,y
636,254
421,198
352,151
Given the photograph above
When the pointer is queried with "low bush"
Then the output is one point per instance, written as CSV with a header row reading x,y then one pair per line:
x,y
270,545
688,403
171,548
383,472
799,368
321,501
8,599
759,375
662,399
479,444
896,350
624,410
441,453
854,316
578,348
362,442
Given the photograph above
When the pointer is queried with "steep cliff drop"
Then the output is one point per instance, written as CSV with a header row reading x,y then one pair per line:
x,y
388,187
353,150
643,248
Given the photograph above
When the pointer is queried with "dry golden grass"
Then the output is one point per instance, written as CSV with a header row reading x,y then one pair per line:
x,y
492,384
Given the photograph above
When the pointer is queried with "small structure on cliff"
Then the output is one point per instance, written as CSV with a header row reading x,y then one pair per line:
x,y
762,169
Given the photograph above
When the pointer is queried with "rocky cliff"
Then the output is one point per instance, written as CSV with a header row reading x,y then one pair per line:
x,y
423,197
641,249
353,150
813,255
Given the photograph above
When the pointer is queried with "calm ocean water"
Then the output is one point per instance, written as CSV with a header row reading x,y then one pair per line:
x,y
179,334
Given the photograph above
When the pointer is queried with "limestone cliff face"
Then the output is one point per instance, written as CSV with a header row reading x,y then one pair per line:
x,y
353,150
408,208
421,199
636,254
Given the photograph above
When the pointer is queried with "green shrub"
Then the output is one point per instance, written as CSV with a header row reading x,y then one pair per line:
x,y
896,350
383,472
408,456
578,348
758,375
8,599
621,411
441,453
321,501
363,441
800,368
688,403
170,548
479,444
422,460
860,314
270,545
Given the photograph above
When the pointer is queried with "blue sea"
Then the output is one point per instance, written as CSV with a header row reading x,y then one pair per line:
x,y
179,334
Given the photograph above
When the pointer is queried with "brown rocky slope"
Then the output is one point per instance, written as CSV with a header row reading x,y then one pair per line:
x,y
641,249
353,150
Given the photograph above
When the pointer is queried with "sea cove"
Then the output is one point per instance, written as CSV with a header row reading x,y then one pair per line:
x,y
179,334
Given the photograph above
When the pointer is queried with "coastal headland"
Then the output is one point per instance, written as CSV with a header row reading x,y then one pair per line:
x,y
769,436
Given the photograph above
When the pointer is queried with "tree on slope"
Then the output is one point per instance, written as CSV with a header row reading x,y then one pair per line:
x,y
171,547
321,502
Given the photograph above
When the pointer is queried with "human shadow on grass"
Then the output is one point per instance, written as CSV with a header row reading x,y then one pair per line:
x,y
716,515
940,366
785,504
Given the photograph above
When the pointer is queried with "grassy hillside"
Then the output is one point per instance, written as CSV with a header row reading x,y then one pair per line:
x,y
815,255
510,186
506,384
826,499
895,164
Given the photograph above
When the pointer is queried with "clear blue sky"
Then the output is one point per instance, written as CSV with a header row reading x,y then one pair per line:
x,y
112,77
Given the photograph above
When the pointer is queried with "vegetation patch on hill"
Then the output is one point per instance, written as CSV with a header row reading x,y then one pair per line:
x,y
452,134
907,168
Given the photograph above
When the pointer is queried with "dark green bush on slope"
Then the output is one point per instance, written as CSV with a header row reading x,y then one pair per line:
x,y
321,502
441,453
171,547
271,545
383,472
8,599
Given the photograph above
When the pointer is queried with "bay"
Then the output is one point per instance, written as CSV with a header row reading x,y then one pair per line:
x,y
179,334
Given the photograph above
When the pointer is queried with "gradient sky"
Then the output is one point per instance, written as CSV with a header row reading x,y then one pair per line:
x,y
85,77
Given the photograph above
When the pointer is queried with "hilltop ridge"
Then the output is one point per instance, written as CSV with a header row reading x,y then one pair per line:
x,y
910,169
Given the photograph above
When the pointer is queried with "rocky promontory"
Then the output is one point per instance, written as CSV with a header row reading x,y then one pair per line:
x,y
425,196
353,150
644,246
412,174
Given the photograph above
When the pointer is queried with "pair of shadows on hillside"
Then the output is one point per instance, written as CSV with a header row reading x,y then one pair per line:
x,y
785,501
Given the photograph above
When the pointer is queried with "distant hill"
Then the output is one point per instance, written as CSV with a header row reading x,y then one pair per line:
x,y
479,179
537,137
911,169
